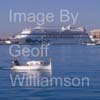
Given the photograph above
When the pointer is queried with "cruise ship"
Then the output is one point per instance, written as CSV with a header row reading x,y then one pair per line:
x,y
64,35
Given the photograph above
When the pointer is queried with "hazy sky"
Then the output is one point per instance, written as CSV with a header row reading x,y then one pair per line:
x,y
89,13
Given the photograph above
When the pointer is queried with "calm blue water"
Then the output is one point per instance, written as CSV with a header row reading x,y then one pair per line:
x,y
67,61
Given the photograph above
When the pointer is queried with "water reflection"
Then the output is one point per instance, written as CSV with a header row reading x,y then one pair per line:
x,y
29,78
40,73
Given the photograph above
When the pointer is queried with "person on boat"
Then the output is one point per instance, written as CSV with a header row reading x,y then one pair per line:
x,y
15,62
45,62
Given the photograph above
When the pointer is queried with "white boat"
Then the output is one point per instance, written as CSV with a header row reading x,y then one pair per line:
x,y
33,65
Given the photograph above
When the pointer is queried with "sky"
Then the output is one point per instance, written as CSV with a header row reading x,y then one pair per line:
x,y
88,13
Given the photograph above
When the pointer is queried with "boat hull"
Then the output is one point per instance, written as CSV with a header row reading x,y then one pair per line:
x,y
24,67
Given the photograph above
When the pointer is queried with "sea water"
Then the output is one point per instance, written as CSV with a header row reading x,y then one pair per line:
x,y
68,61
